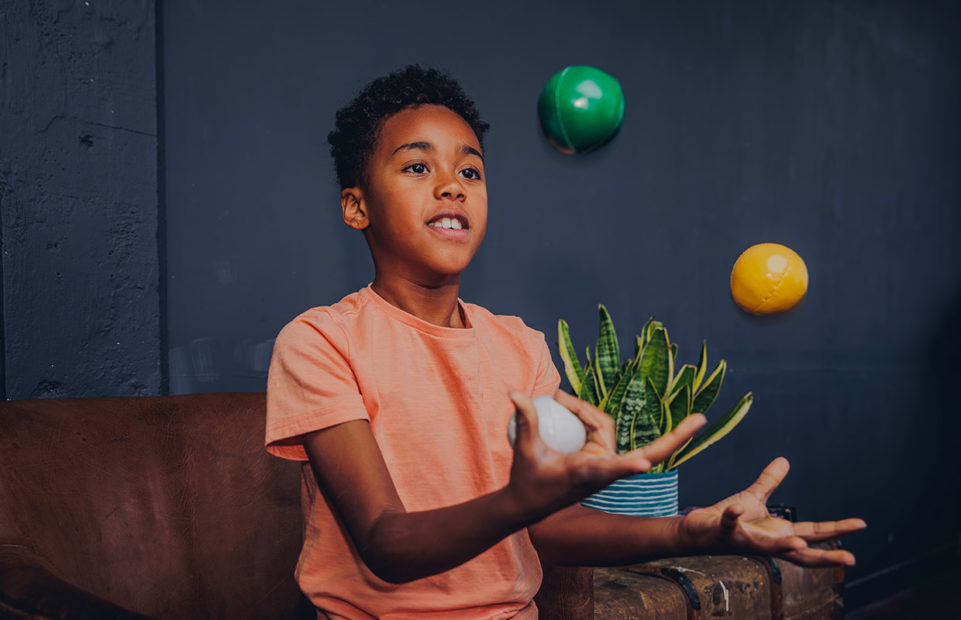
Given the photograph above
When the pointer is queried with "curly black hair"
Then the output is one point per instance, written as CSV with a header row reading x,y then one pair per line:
x,y
359,122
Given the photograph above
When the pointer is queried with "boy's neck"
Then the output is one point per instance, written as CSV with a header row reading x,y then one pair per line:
x,y
435,304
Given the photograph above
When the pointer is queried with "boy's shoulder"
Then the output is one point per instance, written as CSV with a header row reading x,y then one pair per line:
x,y
508,324
323,319
347,307
479,313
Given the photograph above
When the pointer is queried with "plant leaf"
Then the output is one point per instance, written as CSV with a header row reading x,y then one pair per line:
x,y
701,367
590,382
649,328
632,404
684,377
653,411
717,430
678,409
608,353
656,362
599,386
708,392
643,336
670,462
572,366
612,402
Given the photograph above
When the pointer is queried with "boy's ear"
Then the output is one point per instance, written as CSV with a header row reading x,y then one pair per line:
x,y
353,207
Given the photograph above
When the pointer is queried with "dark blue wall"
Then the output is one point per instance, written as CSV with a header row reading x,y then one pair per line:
x,y
78,200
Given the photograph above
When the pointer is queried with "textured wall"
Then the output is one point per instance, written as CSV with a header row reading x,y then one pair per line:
x,y
78,199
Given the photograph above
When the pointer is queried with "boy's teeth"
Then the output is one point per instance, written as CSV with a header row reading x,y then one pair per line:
x,y
449,223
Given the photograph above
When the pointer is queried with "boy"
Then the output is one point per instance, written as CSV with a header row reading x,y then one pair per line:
x,y
399,395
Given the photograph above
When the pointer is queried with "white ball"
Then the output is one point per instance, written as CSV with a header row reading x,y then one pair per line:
x,y
559,428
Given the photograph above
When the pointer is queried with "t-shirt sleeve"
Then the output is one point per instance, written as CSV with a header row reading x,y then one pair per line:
x,y
310,385
548,379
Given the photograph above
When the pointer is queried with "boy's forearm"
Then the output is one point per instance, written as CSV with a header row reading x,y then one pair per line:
x,y
397,545
578,536
404,546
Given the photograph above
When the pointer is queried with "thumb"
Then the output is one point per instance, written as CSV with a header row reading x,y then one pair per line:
x,y
730,517
525,418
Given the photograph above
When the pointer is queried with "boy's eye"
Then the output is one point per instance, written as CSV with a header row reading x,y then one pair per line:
x,y
471,173
417,168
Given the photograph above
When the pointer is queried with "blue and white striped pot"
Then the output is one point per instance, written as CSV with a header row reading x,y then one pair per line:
x,y
641,495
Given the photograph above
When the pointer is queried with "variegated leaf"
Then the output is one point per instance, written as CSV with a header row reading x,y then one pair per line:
x,y
613,401
631,404
655,360
598,379
684,377
643,336
572,366
717,430
679,408
652,412
701,367
608,353
704,398
590,381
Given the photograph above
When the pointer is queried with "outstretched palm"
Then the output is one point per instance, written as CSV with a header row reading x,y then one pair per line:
x,y
741,523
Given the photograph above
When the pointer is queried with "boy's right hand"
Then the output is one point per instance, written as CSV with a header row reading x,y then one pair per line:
x,y
544,480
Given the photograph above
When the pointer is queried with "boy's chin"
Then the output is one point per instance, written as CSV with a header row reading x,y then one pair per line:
x,y
447,274
451,266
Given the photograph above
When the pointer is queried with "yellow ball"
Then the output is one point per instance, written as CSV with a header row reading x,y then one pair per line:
x,y
768,278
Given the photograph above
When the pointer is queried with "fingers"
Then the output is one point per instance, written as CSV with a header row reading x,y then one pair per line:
x,y
599,425
820,557
526,419
665,445
814,531
769,479
600,473
582,409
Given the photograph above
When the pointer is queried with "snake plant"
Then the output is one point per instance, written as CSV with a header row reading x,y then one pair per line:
x,y
643,393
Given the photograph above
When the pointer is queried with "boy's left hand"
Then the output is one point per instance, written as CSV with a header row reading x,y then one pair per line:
x,y
741,523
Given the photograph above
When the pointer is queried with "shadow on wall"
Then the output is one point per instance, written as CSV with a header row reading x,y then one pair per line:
x,y
214,365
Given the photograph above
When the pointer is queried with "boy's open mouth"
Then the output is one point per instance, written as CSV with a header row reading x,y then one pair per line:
x,y
449,221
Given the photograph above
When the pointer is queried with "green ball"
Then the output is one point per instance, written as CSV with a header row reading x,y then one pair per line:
x,y
580,109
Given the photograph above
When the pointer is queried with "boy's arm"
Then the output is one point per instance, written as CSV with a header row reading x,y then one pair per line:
x,y
400,546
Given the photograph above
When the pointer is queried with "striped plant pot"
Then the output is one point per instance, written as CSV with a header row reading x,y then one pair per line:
x,y
641,495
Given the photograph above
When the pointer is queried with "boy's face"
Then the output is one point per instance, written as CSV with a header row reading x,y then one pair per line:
x,y
424,206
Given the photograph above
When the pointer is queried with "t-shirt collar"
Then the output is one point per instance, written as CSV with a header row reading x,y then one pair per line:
x,y
409,319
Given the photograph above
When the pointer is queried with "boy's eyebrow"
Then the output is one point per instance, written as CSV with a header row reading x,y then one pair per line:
x,y
424,146
469,150
466,149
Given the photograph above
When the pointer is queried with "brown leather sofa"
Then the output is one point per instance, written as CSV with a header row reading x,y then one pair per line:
x,y
164,507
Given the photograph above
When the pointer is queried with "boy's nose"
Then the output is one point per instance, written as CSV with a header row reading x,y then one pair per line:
x,y
449,188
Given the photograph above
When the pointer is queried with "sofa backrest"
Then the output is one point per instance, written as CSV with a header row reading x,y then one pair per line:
x,y
168,506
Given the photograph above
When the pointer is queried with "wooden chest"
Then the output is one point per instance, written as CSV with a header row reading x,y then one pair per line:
x,y
703,587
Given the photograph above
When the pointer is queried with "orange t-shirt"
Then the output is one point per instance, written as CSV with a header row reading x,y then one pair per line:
x,y
436,399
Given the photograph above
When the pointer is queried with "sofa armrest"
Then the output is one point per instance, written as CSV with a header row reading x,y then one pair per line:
x,y
30,589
